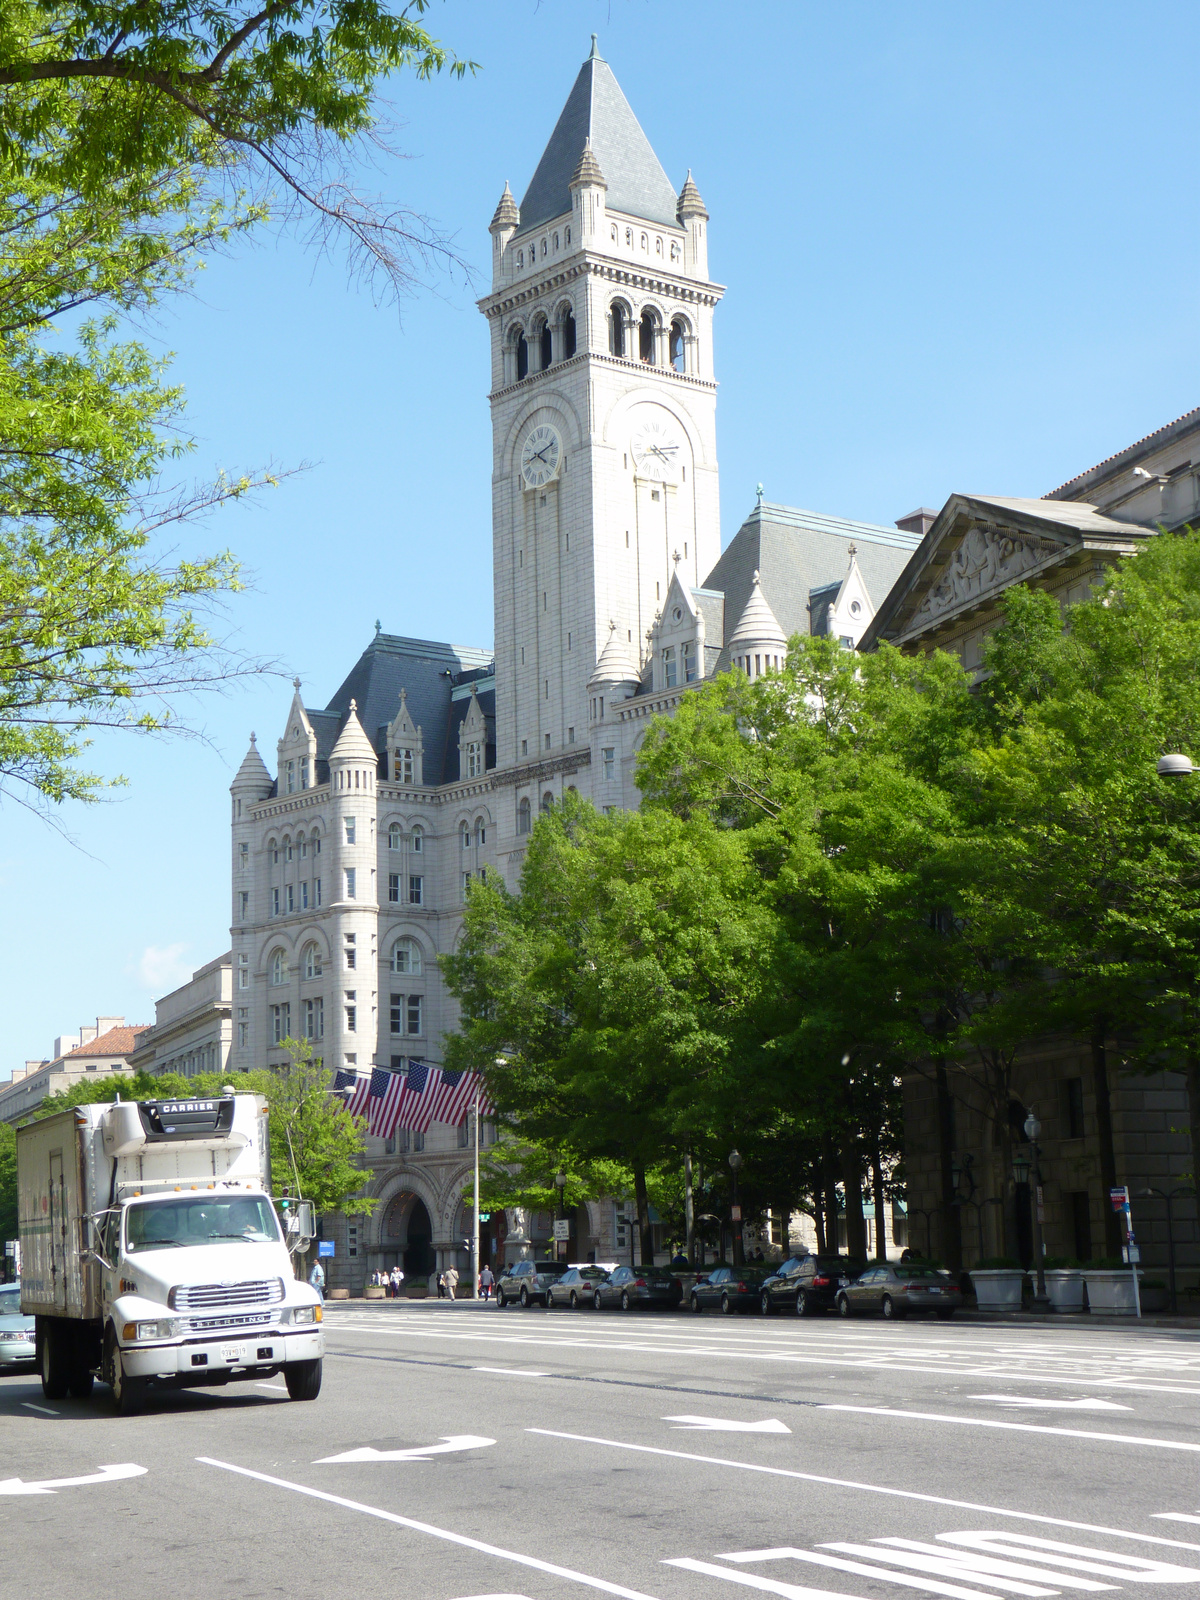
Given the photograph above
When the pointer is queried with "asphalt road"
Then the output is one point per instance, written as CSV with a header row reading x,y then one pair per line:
x,y
635,1455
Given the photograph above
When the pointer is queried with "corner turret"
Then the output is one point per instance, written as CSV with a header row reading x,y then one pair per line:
x,y
758,644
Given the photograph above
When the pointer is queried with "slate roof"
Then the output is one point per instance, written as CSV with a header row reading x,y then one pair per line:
x,y
429,671
796,552
597,110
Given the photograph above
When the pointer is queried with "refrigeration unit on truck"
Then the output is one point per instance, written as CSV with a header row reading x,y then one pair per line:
x,y
153,1255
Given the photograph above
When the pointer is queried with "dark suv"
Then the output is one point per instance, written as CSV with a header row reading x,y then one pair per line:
x,y
528,1281
810,1283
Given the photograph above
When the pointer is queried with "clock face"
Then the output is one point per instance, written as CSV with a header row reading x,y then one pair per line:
x,y
656,451
541,456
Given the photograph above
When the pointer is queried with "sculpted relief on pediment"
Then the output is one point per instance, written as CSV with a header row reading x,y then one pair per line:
x,y
985,559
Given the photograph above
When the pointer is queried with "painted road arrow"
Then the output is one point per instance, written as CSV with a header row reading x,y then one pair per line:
x,y
1052,1405
125,1469
450,1443
723,1425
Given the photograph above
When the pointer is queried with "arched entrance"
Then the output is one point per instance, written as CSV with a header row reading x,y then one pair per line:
x,y
406,1235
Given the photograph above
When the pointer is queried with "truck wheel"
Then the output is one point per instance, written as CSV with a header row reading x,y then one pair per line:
x,y
303,1379
53,1358
128,1393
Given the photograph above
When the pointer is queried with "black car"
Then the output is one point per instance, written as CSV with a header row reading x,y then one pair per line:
x,y
809,1283
731,1288
628,1287
528,1281
576,1287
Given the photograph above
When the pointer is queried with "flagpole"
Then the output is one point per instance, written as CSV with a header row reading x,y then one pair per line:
x,y
475,1257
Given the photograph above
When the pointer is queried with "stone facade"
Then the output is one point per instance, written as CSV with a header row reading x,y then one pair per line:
x,y
193,1026
104,1048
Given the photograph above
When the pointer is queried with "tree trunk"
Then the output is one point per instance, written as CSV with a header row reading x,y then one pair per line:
x,y
643,1211
881,1230
951,1214
856,1222
1104,1136
689,1209
829,1196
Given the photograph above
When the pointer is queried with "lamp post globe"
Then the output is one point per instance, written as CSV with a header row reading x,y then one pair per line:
x,y
1033,1128
1174,765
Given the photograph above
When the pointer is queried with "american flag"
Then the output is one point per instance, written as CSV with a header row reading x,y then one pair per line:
x,y
453,1095
387,1092
415,1103
357,1101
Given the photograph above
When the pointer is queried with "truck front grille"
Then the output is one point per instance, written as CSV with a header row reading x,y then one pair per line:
x,y
217,1324
213,1296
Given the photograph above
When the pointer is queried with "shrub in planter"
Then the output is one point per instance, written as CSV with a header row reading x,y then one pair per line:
x,y
1064,1283
998,1283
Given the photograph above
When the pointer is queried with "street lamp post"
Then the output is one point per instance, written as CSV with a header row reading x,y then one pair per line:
x,y
560,1183
1033,1132
1170,1196
735,1166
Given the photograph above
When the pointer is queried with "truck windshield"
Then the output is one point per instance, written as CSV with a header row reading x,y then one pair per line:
x,y
172,1224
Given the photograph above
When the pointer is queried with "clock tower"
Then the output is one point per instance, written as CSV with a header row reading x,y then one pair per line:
x,y
604,464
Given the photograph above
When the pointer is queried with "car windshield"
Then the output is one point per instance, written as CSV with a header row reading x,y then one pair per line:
x,y
750,1274
10,1302
173,1224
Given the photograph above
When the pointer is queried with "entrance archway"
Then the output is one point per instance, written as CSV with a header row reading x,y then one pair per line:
x,y
406,1235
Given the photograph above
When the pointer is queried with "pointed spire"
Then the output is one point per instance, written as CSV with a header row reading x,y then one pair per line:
x,y
757,626
507,215
616,663
352,743
587,173
690,203
252,774
594,52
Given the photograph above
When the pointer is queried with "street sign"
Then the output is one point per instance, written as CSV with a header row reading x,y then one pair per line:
x,y
562,1230
736,1213
325,1247
1119,1198
485,1216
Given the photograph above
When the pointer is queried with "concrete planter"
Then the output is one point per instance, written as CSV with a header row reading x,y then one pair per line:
x,y
338,1294
998,1288
1064,1285
1111,1291
373,1291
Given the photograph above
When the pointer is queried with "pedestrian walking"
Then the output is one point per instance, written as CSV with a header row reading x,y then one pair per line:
x,y
397,1282
485,1283
317,1278
441,1285
451,1281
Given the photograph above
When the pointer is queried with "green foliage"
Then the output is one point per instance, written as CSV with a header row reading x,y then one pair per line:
x,y
8,1182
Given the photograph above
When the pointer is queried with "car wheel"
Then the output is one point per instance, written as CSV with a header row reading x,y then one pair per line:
x,y
524,1299
804,1306
726,1305
890,1310
626,1303
574,1301
694,1302
501,1302
765,1306
843,1305
596,1300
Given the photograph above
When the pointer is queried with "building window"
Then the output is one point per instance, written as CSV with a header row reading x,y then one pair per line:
x,y
466,884
464,1133
404,766
291,777
351,830
351,1011
316,844
394,888
480,832
418,841
351,951
279,971
524,747
314,1018
281,1023
304,896
413,1014
243,856
274,848
406,956
274,902
302,846
316,891
311,961
243,905
688,652
678,346
1073,1097
304,772
522,357
243,1034
547,741
352,1239
570,735
289,898
395,837
351,883
547,801
474,760
609,757
618,328
243,972
397,1013
416,890
465,836
418,1140
668,662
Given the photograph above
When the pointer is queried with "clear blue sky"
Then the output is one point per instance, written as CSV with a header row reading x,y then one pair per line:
x,y
960,250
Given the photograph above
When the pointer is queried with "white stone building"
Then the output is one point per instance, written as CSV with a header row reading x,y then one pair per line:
x,y
612,599
193,1026
100,1049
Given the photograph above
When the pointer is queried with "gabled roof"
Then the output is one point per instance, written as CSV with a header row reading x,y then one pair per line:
x,y
597,110
116,1042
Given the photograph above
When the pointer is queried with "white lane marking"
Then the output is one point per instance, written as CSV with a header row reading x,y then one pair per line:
x,y
449,1445
867,1488
1078,1557
512,1372
751,1580
1018,1427
125,1469
970,1560
436,1533
45,1410
724,1425
1175,1516
888,1575
1051,1405
943,1564
275,1388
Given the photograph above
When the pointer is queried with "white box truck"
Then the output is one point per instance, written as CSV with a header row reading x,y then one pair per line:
x,y
153,1255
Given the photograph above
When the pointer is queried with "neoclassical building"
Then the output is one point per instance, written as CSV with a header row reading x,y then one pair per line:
x,y
352,849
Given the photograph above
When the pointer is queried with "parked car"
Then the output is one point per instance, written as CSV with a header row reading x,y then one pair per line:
x,y
17,1349
809,1283
628,1287
529,1281
731,1288
576,1286
895,1290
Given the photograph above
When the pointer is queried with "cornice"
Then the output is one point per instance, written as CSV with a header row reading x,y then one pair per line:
x,y
511,296
539,771
279,805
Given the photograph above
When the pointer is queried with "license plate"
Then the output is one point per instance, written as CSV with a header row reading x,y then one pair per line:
x,y
231,1354
935,1291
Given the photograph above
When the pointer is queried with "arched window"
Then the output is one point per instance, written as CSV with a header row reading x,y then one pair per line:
x,y
618,330
523,816
568,336
418,840
547,801
480,831
547,346
522,357
464,834
648,338
406,956
678,346
311,960
288,848
279,971
395,837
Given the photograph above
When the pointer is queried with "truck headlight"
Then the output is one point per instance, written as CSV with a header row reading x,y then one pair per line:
x,y
306,1314
167,1329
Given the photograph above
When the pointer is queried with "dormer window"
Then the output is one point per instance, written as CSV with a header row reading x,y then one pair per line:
x,y
474,759
404,766
669,667
304,772
291,777
687,652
